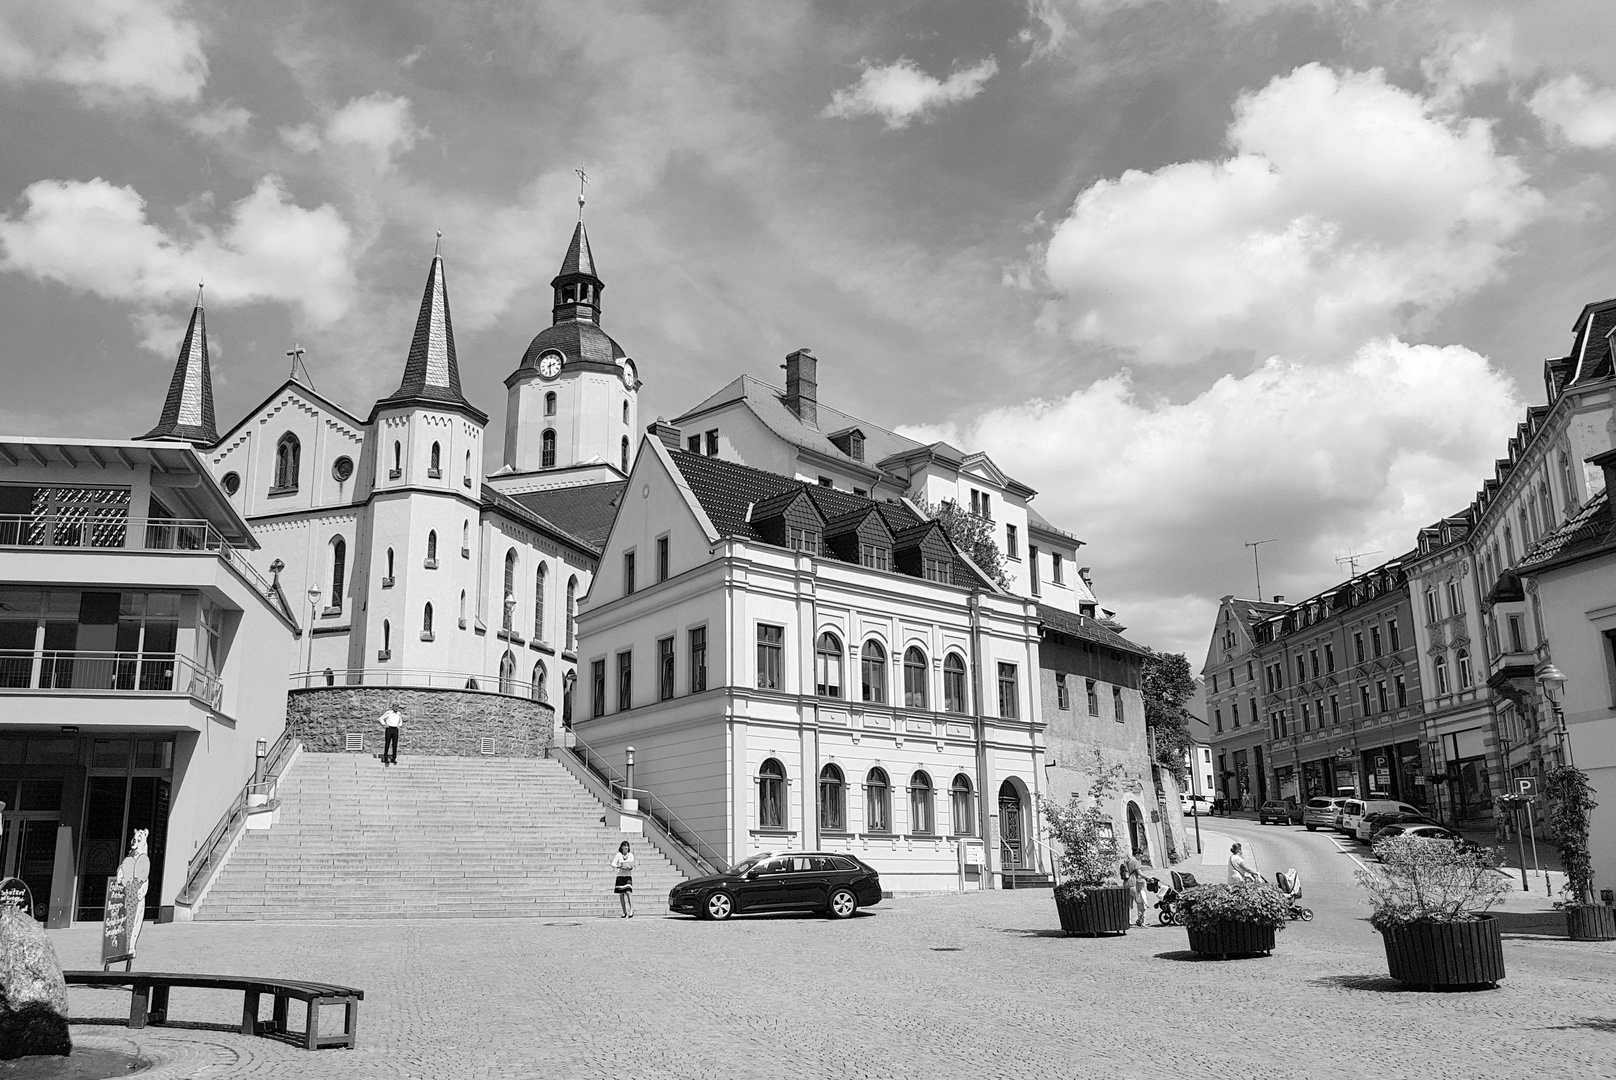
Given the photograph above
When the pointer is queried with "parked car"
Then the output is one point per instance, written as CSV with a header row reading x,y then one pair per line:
x,y
1274,810
829,881
1353,812
1377,822
1323,810
1428,832
1195,805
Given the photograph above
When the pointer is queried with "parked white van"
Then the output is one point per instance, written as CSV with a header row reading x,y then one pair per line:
x,y
1353,812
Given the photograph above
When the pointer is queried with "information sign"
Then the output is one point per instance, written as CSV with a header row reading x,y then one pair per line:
x,y
1525,786
115,925
14,892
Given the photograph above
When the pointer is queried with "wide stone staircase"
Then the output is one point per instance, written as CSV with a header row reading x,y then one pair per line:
x,y
432,837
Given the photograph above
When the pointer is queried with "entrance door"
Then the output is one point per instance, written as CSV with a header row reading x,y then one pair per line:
x,y
1010,826
30,854
1138,838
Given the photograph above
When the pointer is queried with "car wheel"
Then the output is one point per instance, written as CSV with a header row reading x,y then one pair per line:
x,y
843,904
1307,914
719,906
1312,828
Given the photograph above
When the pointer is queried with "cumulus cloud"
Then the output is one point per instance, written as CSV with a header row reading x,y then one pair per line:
x,y
95,236
109,50
1580,114
221,122
1329,459
900,92
1348,207
380,123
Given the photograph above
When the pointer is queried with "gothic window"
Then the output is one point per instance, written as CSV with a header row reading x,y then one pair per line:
x,y
962,806
625,412
507,673
435,469
772,795
873,672
510,588
462,609
339,566
432,549
550,404
426,622
389,566
387,638
547,449
920,804
625,448
465,538
572,613
828,666
914,678
287,455
954,683
541,680
539,582
832,799
398,457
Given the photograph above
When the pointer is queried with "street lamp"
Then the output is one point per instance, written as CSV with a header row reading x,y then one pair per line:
x,y
314,610
1553,681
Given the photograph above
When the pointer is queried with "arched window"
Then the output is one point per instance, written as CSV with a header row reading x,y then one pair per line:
x,y
426,621
436,468
541,682
539,580
462,609
471,684
468,468
387,639
772,795
1441,666
432,548
572,612
389,565
510,587
828,666
914,678
962,806
549,403
547,449
920,803
398,457
625,412
1568,487
877,802
625,453
465,538
1509,545
339,569
1464,669
507,673
873,671
954,699
288,453
832,800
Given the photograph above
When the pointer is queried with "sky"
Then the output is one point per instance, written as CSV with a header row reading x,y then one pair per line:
x,y
1202,272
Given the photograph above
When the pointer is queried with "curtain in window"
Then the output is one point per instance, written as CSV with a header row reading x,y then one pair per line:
x,y
877,802
873,672
832,799
772,795
954,683
962,806
920,803
828,666
914,678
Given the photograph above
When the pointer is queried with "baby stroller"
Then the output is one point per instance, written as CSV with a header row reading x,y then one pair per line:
x,y
1165,907
1290,885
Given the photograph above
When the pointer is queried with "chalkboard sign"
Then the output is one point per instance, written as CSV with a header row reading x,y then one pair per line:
x,y
14,892
115,925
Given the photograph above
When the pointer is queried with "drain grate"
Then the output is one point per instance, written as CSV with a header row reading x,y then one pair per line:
x,y
947,948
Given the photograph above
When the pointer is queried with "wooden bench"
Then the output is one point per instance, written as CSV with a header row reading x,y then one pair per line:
x,y
148,1000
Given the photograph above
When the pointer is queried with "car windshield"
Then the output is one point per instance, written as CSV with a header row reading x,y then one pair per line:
x,y
746,864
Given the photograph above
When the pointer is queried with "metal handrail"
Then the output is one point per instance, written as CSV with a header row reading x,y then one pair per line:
x,y
656,809
405,678
206,857
84,669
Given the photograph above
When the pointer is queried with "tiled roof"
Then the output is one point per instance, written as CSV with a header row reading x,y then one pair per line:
x,y
1256,610
431,372
1591,531
188,411
585,511
1086,629
726,490
1591,352
579,260
575,341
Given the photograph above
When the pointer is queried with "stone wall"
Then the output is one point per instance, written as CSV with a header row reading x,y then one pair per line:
x,y
446,723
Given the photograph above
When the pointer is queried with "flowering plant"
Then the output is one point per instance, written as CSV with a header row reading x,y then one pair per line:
x,y
1423,880
1248,902
1089,855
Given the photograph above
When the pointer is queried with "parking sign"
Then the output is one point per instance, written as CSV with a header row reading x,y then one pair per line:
x,y
1525,786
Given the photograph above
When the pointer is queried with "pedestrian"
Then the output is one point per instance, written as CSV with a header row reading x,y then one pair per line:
x,y
391,721
1239,869
1133,880
623,863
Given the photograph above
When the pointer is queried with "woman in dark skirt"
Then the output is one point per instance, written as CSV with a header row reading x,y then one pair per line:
x,y
623,863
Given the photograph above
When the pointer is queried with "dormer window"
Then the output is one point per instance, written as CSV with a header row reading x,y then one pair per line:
x,y
875,556
800,539
937,570
849,441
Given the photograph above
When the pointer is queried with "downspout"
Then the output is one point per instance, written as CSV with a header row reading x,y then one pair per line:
x,y
990,837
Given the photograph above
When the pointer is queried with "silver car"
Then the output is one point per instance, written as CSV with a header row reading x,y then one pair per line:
x,y
1322,811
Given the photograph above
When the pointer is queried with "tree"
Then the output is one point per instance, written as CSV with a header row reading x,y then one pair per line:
x,y
1166,685
972,534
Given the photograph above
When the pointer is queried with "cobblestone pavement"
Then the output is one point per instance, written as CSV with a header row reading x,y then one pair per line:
x,y
980,985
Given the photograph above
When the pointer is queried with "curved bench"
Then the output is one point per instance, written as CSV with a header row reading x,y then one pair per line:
x,y
148,1000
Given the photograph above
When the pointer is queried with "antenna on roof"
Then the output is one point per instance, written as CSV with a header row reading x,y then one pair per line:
x,y
1351,560
1254,545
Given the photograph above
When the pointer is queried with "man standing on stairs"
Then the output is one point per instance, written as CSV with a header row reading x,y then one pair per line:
x,y
391,721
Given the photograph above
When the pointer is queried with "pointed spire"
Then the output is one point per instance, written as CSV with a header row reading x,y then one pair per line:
x,y
188,409
579,260
577,287
430,371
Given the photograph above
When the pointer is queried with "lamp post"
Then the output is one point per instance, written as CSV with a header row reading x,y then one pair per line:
x,y
314,610
258,768
1553,681
629,766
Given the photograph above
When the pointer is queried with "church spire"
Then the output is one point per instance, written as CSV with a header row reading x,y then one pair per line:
x,y
430,371
188,410
577,287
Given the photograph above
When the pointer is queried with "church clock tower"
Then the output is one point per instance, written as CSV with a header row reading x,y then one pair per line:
x,y
573,400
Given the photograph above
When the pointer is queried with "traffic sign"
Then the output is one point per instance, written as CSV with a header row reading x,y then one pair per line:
x,y
1344,753
1525,786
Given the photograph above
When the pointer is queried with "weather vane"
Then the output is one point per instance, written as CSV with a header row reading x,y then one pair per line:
x,y
583,178
437,249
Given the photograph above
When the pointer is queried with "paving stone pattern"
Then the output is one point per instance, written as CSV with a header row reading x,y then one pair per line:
x,y
432,837
980,985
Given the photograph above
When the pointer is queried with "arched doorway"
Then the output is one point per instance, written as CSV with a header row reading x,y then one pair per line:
x,y
1138,837
1012,826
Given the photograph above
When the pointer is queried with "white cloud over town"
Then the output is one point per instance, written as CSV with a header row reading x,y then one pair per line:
x,y
900,92
1581,114
109,50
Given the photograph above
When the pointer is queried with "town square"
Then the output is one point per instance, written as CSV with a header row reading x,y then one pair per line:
x,y
1038,538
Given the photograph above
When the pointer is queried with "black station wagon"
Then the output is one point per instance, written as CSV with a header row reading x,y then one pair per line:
x,y
828,881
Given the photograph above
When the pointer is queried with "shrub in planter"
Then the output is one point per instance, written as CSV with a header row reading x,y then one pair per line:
x,y
1430,899
1089,897
1232,920
1570,804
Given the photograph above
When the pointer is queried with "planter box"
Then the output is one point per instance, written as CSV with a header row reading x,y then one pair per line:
x,y
1590,922
1101,911
1225,939
1446,956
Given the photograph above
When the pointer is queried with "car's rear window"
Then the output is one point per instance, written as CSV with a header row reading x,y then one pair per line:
x,y
1319,804
842,864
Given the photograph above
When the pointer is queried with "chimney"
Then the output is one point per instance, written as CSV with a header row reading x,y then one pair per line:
x,y
1606,462
1279,598
802,386
666,432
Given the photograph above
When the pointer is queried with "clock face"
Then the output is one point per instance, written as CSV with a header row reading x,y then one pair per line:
x,y
628,374
550,365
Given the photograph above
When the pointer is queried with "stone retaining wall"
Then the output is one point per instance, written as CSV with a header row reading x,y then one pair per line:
x,y
446,723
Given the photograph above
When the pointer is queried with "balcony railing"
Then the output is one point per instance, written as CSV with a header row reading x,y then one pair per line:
x,y
66,671
111,528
